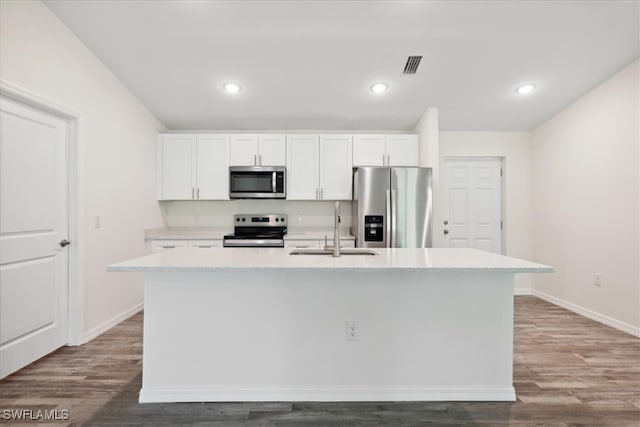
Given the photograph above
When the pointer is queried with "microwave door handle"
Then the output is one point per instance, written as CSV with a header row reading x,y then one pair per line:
x,y
273,182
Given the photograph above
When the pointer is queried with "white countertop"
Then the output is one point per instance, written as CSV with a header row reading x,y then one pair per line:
x,y
217,233
252,259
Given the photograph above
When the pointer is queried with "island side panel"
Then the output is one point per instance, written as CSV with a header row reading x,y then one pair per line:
x,y
280,335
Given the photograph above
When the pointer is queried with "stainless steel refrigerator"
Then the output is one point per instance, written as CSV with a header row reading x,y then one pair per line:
x,y
392,207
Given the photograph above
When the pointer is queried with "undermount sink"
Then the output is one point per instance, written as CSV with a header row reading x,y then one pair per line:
x,y
322,251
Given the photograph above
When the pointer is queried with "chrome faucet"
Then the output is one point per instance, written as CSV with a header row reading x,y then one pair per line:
x,y
336,230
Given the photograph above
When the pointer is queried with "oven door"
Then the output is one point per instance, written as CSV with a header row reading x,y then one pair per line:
x,y
256,182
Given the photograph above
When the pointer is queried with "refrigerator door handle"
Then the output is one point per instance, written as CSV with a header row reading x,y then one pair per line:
x,y
394,215
387,219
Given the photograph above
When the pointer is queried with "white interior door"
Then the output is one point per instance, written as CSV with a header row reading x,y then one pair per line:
x,y
472,208
33,223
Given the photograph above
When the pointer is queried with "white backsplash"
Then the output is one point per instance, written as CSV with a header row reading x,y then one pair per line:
x,y
220,213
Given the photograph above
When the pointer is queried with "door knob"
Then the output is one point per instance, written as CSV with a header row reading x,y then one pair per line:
x,y
446,222
446,231
64,242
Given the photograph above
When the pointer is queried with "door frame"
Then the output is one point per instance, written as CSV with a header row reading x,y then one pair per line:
x,y
503,204
76,217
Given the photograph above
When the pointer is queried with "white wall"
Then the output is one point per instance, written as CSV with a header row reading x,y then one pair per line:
x,y
515,149
585,200
428,130
117,150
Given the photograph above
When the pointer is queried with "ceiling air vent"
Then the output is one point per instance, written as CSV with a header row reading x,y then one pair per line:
x,y
412,65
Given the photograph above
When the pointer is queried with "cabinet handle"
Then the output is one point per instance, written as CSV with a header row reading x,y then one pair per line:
x,y
193,192
388,159
316,193
168,247
321,193
255,160
198,193
383,161
259,159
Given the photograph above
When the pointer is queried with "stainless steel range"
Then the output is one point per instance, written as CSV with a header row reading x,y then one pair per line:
x,y
257,231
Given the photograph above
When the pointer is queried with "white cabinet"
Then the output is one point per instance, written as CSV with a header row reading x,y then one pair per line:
x,y
163,245
402,150
335,167
212,167
319,167
193,167
176,176
205,243
302,243
272,150
369,150
302,167
257,150
385,150
313,243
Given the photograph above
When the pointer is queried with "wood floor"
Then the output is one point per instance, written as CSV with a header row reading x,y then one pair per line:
x,y
568,371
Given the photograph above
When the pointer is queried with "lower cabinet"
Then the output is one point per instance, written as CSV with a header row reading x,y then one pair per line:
x,y
301,243
163,245
155,246
205,243
312,243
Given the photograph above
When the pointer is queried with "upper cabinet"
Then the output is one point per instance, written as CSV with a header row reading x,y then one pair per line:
x,y
257,150
176,168
272,150
319,167
385,150
193,167
212,167
335,167
302,167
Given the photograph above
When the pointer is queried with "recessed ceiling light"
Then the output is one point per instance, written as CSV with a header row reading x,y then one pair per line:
x,y
525,89
231,87
379,87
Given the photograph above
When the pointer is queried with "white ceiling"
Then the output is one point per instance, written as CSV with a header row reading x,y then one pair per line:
x,y
309,64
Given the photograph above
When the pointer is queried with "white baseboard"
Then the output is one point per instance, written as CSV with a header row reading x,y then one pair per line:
x,y
523,291
105,326
590,314
325,394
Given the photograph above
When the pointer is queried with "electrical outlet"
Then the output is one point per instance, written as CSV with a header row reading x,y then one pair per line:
x,y
353,330
97,222
598,281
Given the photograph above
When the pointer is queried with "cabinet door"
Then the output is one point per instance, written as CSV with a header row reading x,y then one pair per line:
x,y
302,167
335,167
243,150
176,167
272,150
301,243
212,167
369,150
163,245
402,150
205,244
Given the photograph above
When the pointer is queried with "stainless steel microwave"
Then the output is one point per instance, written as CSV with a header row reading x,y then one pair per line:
x,y
257,182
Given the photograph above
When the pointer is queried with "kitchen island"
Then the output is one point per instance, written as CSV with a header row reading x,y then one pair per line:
x,y
258,324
